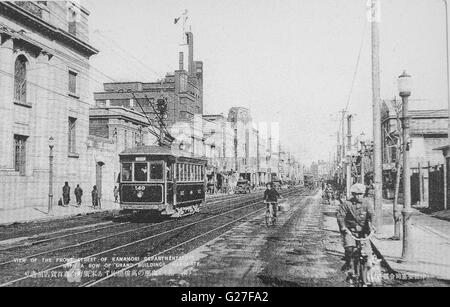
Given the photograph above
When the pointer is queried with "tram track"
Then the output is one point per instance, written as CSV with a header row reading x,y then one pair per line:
x,y
244,203
97,239
203,235
46,237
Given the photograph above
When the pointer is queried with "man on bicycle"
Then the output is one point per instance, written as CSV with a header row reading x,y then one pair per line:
x,y
354,216
271,196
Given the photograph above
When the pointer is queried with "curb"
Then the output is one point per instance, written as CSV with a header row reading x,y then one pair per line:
x,y
384,262
53,218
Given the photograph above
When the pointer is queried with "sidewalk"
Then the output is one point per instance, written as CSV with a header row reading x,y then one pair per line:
x,y
430,238
39,213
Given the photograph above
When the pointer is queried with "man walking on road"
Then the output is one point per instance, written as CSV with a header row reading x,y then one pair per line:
x,y
78,193
66,194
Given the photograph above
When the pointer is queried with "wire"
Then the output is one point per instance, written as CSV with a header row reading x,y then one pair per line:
x,y
354,75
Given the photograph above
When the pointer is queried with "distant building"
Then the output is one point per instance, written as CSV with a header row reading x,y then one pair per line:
x,y
183,90
111,131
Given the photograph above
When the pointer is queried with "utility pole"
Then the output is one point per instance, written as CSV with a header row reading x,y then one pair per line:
x,y
343,171
338,158
405,92
363,154
377,174
349,154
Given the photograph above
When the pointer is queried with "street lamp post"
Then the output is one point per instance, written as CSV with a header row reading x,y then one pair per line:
x,y
404,88
51,144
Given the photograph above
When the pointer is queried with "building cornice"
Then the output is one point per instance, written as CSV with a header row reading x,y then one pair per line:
x,y
15,11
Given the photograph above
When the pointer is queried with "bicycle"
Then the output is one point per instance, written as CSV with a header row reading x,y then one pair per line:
x,y
360,261
270,217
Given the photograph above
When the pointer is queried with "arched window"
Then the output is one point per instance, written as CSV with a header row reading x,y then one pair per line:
x,y
20,79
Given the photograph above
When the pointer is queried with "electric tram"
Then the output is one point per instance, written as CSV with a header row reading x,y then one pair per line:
x,y
163,179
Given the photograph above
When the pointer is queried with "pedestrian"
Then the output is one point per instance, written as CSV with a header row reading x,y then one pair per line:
x,y
116,194
66,194
78,193
94,194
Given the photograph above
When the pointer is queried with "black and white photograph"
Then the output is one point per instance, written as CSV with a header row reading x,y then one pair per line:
x,y
225,148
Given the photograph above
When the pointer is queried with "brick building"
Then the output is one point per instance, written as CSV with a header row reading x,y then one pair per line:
x,y
183,90
44,92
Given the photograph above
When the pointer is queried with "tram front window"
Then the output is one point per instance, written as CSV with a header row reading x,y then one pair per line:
x,y
126,171
140,171
156,171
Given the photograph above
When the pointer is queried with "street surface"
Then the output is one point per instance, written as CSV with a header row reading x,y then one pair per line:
x,y
227,244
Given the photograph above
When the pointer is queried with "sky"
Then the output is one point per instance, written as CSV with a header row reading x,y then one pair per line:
x,y
290,61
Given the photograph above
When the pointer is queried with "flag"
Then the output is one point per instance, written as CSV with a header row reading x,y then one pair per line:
x,y
175,21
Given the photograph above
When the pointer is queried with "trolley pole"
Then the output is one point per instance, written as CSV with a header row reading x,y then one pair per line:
x,y
377,180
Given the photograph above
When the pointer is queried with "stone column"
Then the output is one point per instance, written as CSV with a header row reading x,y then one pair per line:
x,y
6,102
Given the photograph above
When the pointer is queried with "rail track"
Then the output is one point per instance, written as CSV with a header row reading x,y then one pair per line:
x,y
47,237
139,234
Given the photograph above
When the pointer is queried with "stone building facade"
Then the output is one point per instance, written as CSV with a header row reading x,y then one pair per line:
x,y
44,92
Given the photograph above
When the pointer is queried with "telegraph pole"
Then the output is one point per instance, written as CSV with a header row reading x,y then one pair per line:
x,y
349,154
338,158
377,180
405,92
343,171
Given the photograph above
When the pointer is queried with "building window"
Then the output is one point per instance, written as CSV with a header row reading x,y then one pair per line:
x,y
20,79
20,153
72,134
72,22
72,82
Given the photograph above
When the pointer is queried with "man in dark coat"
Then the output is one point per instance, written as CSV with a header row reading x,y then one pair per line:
x,y
78,193
94,194
66,194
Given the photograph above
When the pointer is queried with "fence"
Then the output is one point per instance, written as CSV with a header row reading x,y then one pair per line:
x,y
436,187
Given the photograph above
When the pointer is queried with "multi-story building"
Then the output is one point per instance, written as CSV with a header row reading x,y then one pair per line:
x,y
182,89
44,93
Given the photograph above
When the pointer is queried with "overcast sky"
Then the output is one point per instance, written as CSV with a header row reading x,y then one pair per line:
x,y
289,61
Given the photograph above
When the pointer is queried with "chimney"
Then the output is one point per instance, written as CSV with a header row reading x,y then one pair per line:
x,y
190,42
180,62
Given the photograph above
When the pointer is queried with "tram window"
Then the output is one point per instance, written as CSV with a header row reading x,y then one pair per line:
x,y
156,171
126,171
169,171
178,172
140,171
197,168
188,172
192,172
